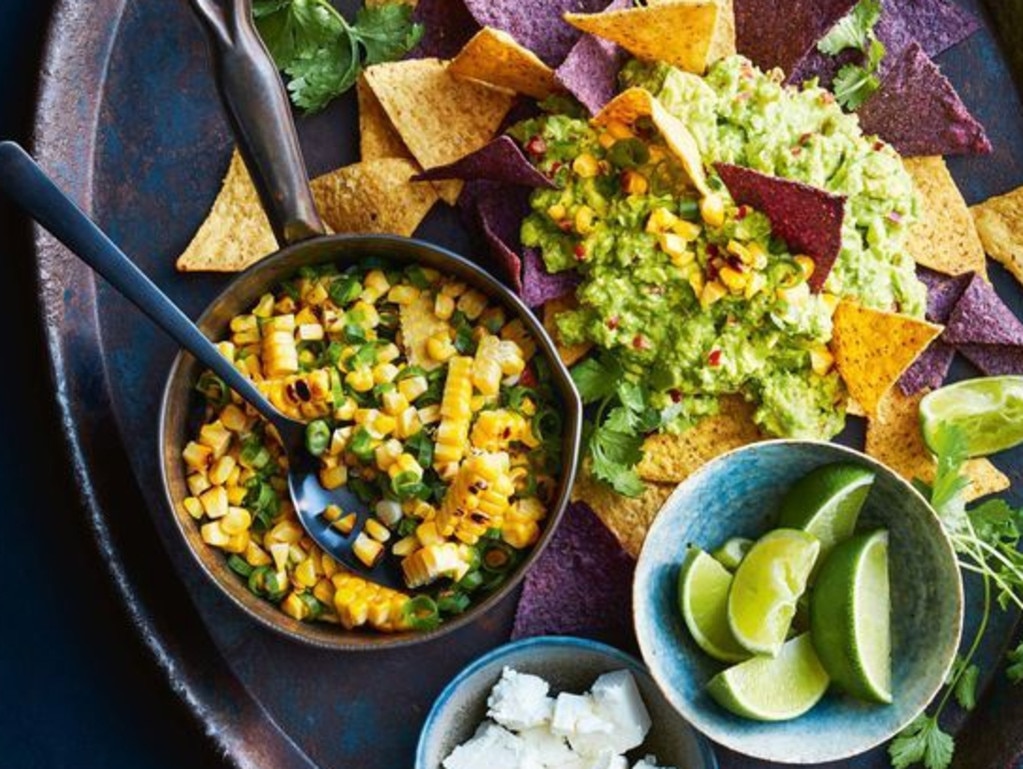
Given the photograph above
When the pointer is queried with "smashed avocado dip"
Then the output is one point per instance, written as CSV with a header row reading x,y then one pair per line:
x,y
689,298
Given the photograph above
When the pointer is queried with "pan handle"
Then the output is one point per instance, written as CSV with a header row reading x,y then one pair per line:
x,y
260,116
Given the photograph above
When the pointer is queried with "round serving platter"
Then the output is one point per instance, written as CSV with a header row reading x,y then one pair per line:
x,y
129,123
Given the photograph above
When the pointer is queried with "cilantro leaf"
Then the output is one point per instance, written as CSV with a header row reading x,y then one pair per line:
x,y
922,741
949,481
596,379
853,85
320,75
965,674
995,521
386,32
1015,669
853,30
615,455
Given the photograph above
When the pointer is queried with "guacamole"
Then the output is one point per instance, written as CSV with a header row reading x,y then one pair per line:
x,y
692,296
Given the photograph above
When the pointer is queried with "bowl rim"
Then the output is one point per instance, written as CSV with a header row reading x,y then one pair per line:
x,y
634,665
682,705
317,250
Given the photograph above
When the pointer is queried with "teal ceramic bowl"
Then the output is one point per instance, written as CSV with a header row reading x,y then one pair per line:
x,y
738,494
569,664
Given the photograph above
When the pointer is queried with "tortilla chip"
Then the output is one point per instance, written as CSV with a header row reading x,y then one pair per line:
x,y
981,317
377,137
569,354
999,223
590,70
929,370
873,348
853,408
447,26
628,519
676,31
994,359
418,322
495,58
539,286
634,103
500,160
236,232
722,42
944,238
894,438
673,458
439,117
500,211
780,34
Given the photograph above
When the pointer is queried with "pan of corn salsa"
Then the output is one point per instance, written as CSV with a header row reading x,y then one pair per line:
x,y
435,400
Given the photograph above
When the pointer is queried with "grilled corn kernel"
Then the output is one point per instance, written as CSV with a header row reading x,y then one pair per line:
x,y
586,166
557,212
233,418
237,520
405,546
214,502
806,264
374,286
711,293
821,359
287,532
367,550
403,294
346,523
660,220
198,483
453,288
212,534
377,530
305,573
427,534
583,220
443,306
472,303
222,469
217,437
257,556
428,415
333,477
734,280
712,210
360,380
384,373
331,513
440,348
387,452
193,507
676,248
412,387
633,182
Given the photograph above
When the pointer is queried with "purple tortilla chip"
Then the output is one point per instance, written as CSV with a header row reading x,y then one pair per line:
x,y
447,26
500,211
929,370
981,317
536,24
943,291
809,219
500,160
936,24
540,286
590,71
918,112
994,359
780,34
582,583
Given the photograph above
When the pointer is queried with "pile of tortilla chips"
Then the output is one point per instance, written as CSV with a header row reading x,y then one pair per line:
x,y
430,129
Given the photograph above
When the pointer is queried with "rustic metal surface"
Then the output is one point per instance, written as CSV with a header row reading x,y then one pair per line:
x,y
129,123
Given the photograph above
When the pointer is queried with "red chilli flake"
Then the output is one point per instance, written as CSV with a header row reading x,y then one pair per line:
x,y
714,359
579,251
741,213
612,322
676,396
640,342
536,146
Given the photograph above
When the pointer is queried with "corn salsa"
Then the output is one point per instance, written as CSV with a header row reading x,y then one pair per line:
x,y
424,398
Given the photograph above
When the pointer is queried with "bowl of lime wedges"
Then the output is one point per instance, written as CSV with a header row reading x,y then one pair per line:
x,y
798,601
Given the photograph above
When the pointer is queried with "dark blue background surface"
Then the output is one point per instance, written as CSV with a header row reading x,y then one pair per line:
x,y
77,686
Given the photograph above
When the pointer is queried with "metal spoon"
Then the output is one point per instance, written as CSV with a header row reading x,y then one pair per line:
x,y
27,184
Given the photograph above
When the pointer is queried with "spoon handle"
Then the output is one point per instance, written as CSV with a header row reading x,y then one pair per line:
x,y
25,183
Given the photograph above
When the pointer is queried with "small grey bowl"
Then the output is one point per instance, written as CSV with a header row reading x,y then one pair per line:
x,y
738,494
569,664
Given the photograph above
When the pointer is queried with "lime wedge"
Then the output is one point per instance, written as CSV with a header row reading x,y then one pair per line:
x,y
767,585
703,585
731,553
826,503
989,411
850,617
773,689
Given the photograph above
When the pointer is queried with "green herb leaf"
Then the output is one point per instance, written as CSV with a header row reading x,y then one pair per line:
x,y
965,675
922,741
615,455
1015,669
596,379
386,32
949,481
853,30
853,85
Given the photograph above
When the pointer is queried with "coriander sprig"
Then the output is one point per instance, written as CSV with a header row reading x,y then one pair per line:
x,y
855,83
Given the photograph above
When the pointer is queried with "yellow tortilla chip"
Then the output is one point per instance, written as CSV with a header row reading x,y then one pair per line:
x,y
236,232
439,117
628,519
676,31
999,223
873,348
945,237
634,103
673,458
722,42
894,438
375,196
569,353
377,137
418,323
494,57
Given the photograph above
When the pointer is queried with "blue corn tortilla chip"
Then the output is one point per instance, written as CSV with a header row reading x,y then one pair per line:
x,y
781,34
994,359
447,26
936,24
981,317
536,24
943,292
590,70
540,286
500,211
581,584
929,370
807,218
918,112
500,160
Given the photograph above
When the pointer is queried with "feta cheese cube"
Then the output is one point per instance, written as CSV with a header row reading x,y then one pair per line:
x,y
492,746
576,717
519,701
618,701
545,749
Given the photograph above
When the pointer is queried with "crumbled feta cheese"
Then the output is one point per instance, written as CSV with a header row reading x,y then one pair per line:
x,y
618,701
492,746
546,749
649,762
607,759
575,714
519,701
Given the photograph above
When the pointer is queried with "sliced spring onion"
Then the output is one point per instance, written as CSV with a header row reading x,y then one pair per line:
x,y
421,613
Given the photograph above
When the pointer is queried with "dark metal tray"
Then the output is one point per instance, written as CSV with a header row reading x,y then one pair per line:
x,y
129,123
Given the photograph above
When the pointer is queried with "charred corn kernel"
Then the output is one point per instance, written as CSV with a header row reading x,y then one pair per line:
x,y
310,332
443,306
440,348
633,182
294,607
412,387
217,437
227,349
221,469
233,418
284,305
331,513
286,532
417,508
686,229
241,323
279,354
520,534
193,507
214,502
757,283
405,463
733,279
333,477
711,293
821,359
806,264
557,212
257,556
324,592
365,314
360,380
236,494
455,412
265,307
377,530
212,534
346,409
737,249
432,562
660,220
237,520
387,452
619,130
316,295
196,456
403,294
758,255
477,497
327,565
367,550
405,546
472,303
305,573
305,316
712,209
346,523
198,483
583,220
429,414
830,302
428,535
676,248
453,288
497,429
515,331
408,423
339,440
375,286
586,166
388,511
384,372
